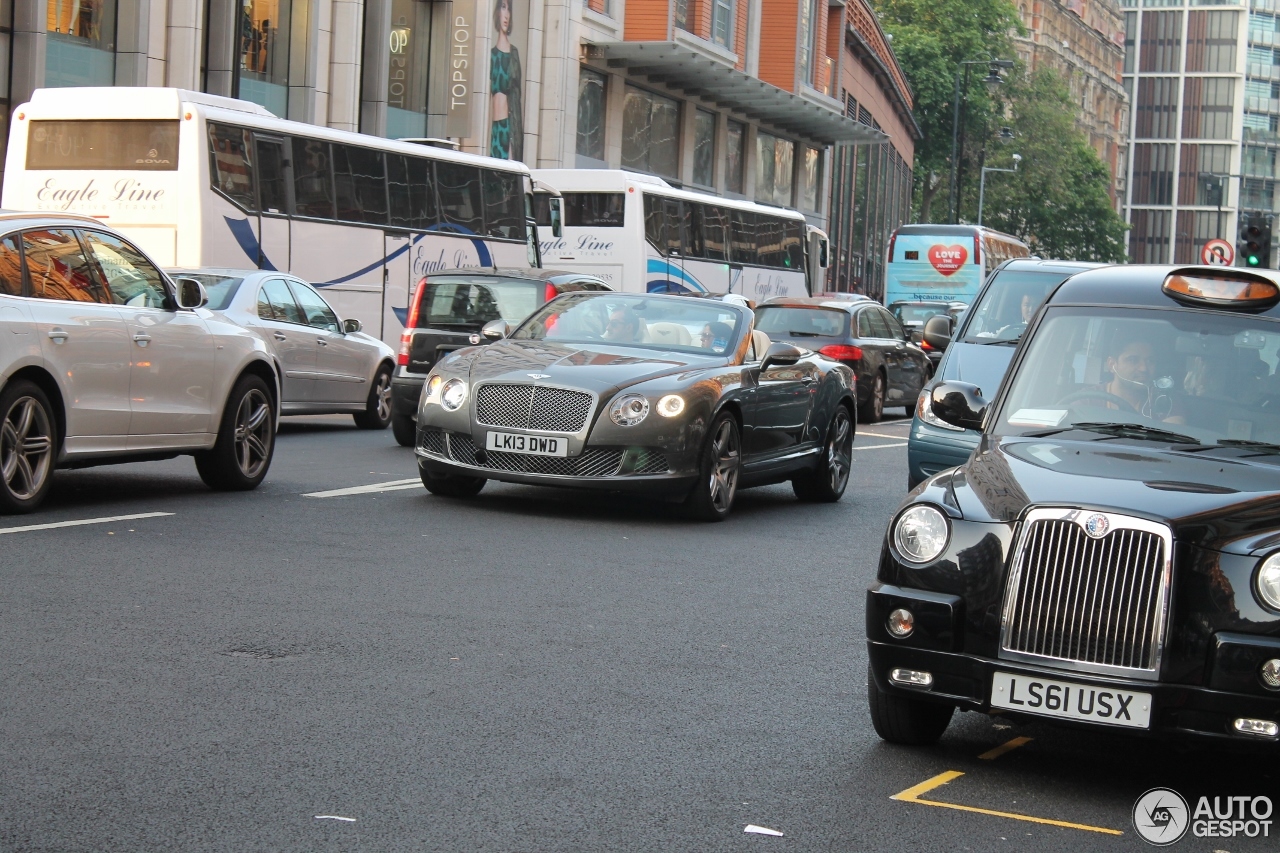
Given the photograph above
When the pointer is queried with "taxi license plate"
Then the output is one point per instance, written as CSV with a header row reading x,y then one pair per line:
x,y
1071,701
535,445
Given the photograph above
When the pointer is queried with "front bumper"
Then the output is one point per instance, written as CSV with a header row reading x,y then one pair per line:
x,y
965,680
932,449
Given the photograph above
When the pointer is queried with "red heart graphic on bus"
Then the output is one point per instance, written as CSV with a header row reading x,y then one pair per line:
x,y
947,259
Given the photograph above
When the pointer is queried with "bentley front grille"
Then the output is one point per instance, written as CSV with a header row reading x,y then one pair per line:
x,y
1088,591
532,407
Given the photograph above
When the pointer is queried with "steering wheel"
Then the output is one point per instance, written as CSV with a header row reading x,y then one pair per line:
x,y
1096,394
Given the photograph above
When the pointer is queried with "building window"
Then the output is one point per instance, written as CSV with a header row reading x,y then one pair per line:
x,y
1207,108
591,89
263,54
1211,41
1130,39
1257,194
807,15
681,14
704,148
1195,228
81,46
775,166
722,19
733,159
1201,174
810,178
1161,49
1152,173
1149,237
651,133
407,73
1157,107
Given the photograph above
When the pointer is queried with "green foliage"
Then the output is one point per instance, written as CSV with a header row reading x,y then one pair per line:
x,y
1057,202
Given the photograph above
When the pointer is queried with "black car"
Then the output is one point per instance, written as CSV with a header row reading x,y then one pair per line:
x,y
891,369
447,312
912,316
1109,556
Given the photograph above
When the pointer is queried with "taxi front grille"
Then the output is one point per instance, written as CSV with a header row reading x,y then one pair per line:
x,y
1088,603
532,407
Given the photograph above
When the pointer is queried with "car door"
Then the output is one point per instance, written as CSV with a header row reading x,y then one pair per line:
x,y
343,365
83,338
18,340
889,348
285,327
172,351
908,359
779,408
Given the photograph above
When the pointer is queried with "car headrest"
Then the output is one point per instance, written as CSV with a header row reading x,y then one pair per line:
x,y
760,343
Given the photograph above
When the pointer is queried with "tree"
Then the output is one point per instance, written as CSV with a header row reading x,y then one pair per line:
x,y
930,39
1057,202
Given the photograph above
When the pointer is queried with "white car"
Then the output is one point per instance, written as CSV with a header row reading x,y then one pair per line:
x,y
327,364
105,359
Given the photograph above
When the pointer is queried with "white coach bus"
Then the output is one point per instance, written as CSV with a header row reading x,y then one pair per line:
x,y
642,235
204,181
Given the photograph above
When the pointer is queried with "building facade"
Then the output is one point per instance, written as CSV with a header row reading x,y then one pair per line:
x,y
1206,90
1083,40
744,98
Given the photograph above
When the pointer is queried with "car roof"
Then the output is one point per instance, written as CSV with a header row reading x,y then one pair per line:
x,y
552,276
815,302
226,271
1050,265
1139,285
12,219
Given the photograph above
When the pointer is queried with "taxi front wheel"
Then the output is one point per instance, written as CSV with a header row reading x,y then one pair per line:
x,y
901,719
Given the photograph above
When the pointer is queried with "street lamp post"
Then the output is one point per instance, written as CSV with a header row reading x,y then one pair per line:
x,y
993,78
982,182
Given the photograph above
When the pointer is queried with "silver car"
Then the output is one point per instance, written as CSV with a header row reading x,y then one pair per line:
x,y
328,365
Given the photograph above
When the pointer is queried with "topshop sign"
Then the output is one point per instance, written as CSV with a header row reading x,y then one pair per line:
x,y
462,61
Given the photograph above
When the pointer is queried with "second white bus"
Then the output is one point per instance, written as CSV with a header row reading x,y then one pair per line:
x,y
203,181
642,235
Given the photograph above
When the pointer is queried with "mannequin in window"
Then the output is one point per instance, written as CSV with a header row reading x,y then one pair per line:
x,y
506,116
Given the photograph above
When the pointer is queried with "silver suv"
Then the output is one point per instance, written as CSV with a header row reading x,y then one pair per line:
x,y
104,359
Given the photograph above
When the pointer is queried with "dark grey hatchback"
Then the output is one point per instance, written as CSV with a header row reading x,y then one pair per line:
x,y
447,312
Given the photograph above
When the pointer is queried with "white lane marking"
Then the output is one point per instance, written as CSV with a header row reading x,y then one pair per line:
x,y
391,486
880,434
878,446
335,817
81,522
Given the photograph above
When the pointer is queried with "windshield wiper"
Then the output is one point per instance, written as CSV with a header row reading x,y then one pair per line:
x,y
1008,342
804,334
1120,430
1261,446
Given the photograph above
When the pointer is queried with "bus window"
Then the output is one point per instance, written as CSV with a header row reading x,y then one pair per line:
x,y
594,210
742,229
694,246
458,188
271,188
136,145
359,184
230,165
715,233
312,181
503,205
655,222
769,234
674,218
793,245
409,188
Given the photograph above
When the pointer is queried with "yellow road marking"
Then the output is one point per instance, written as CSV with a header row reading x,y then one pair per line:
x,y
912,795
1000,750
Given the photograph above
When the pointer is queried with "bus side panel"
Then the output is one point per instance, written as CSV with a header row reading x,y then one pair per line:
x,y
593,251
931,268
229,237
346,262
761,283
705,276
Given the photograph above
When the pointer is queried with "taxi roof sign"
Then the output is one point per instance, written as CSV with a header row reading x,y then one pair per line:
x,y
1221,289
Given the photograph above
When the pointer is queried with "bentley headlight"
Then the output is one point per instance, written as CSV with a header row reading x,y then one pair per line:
x,y
1268,581
671,405
924,411
453,394
629,409
431,391
921,533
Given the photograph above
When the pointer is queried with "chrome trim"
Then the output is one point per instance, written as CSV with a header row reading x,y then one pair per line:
x,y
1080,516
581,433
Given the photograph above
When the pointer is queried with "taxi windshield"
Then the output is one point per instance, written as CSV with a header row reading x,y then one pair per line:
x,y
667,323
1181,376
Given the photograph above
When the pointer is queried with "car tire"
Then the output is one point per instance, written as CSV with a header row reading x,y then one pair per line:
x,y
872,410
28,447
451,485
901,719
826,484
719,469
404,429
377,413
246,441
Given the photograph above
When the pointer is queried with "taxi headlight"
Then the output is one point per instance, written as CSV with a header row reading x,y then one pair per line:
x,y
453,394
1268,581
629,409
671,405
924,411
921,533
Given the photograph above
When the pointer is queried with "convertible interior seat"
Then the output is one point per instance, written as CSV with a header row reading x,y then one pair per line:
x,y
670,333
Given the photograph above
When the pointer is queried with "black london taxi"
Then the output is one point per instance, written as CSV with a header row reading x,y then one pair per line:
x,y
1109,556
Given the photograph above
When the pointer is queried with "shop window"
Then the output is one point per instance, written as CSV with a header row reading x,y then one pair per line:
x,y
591,105
81,43
263,54
704,148
650,133
775,168
735,148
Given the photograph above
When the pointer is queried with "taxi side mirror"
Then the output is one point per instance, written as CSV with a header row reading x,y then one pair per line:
x,y
959,404
937,331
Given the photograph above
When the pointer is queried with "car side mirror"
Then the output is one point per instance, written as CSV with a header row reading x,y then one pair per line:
x,y
959,404
780,353
350,327
191,293
496,330
937,332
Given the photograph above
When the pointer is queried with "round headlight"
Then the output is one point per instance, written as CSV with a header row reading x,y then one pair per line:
x,y
1268,581
629,409
433,388
453,394
921,533
671,405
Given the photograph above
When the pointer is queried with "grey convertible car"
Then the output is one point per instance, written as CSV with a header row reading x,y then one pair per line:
x,y
661,395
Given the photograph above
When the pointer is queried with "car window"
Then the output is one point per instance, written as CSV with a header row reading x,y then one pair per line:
x,y
59,269
220,289
892,328
476,301
280,302
780,321
10,268
864,325
879,329
318,313
1009,301
131,279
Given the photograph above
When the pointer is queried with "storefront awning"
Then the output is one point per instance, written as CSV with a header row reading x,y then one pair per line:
x,y
683,68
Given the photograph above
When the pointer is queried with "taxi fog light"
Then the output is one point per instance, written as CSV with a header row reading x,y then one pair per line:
x,y
1267,582
1261,728
911,677
901,623
453,394
921,533
629,410
1271,674
671,405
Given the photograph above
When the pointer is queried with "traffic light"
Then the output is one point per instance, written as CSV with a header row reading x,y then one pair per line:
x,y
1254,246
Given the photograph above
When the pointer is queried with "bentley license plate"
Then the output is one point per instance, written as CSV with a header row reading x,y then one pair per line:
x,y
1071,701
535,445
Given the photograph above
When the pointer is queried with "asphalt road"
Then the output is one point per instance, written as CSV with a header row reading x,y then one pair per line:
x,y
531,670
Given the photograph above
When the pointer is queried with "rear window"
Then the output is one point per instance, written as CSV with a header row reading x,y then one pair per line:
x,y
1008,303
918,313
221,288
116,144
472,302
782,322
